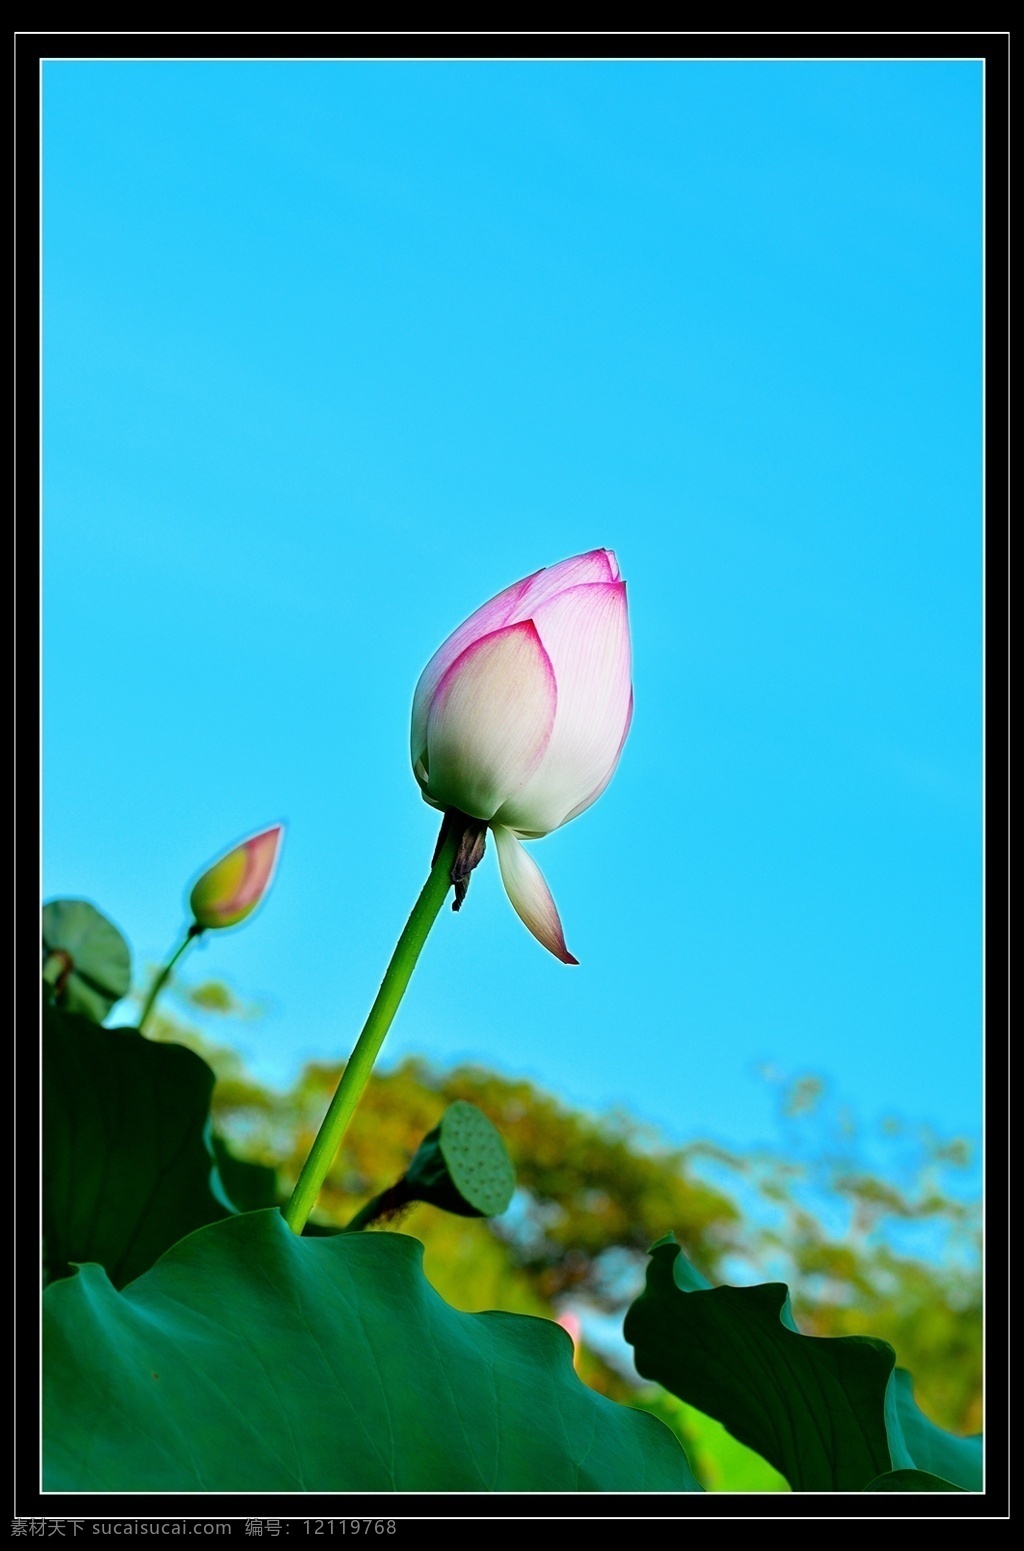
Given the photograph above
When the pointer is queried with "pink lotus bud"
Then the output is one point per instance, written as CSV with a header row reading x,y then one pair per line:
x,y
519,718
231,889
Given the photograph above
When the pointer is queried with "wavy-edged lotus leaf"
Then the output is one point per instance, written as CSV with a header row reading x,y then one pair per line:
x,y
462,1165
824,1411
719,1461
252,1359
127,1163
935,1451
85,958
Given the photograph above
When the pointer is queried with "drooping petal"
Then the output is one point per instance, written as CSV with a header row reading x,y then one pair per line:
x,y
585,632
489,722
530,895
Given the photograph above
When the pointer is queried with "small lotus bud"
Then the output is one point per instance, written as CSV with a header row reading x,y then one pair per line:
x,y
230,890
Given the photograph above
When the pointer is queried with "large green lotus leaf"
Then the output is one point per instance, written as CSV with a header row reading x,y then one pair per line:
x,y
127,1165
911,1481
816,1408
250,1359
940,1453
84,957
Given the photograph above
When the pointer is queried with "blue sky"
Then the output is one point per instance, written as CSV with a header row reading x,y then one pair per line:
x,y
333,351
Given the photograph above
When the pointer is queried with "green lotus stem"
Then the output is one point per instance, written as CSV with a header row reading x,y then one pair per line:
x,y
364,1216
165,974
389,1202
360,1063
